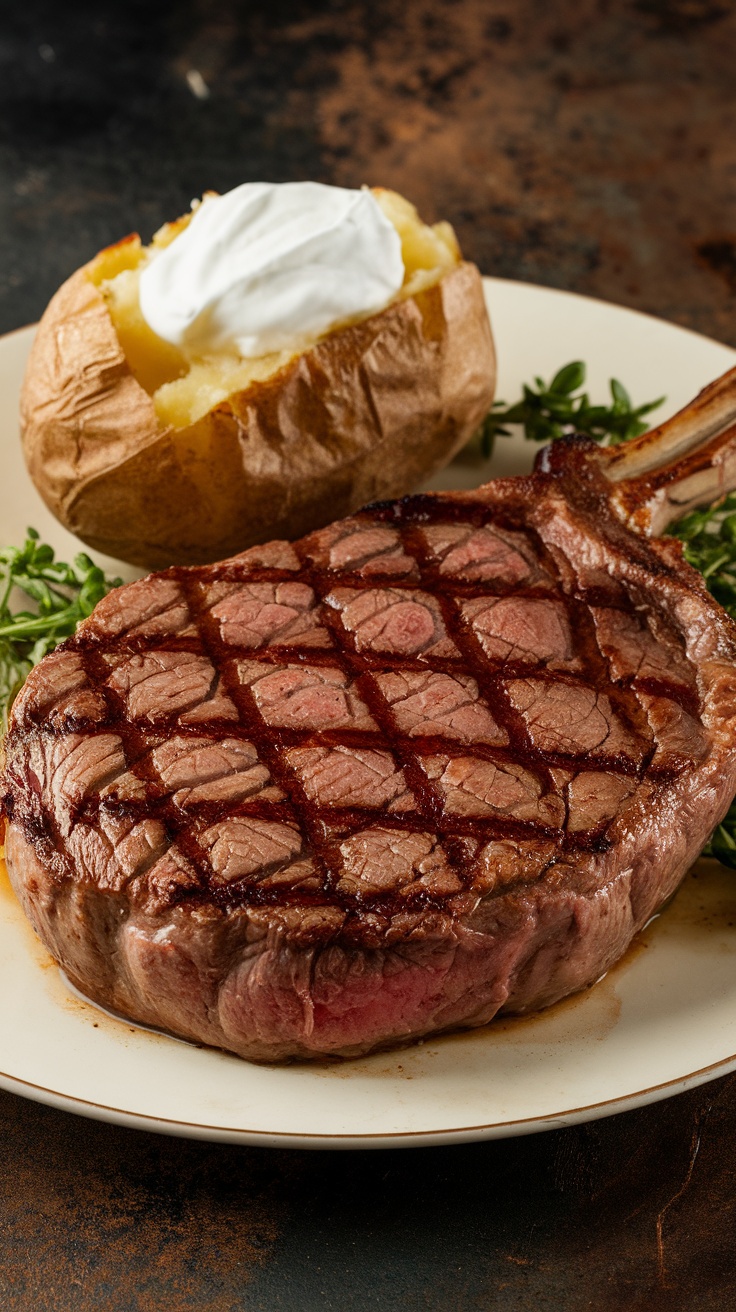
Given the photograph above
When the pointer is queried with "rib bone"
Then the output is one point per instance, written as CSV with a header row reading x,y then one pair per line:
x,y
688,461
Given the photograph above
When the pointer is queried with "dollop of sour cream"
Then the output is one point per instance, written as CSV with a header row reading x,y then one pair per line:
x,y
268,266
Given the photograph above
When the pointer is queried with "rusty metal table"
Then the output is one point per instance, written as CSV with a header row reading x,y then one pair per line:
x,y
586,145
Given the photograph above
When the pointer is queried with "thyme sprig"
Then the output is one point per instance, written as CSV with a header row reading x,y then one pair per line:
x,y
709,544
708,537
547,411
60,595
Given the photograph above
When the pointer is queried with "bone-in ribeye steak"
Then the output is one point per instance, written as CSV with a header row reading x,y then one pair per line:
x,y
441,759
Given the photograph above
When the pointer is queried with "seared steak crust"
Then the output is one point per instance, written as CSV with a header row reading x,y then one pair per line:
x,y
439,759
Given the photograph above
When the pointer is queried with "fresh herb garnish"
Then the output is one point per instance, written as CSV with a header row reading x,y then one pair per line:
x,y
547,411
709,544
62,595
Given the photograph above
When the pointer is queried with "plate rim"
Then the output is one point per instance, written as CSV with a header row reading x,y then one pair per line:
x,y
350,1142
489,278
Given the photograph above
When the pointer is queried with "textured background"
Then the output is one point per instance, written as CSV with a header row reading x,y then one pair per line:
x,y
586,145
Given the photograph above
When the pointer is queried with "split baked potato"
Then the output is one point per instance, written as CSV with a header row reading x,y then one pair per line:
x,y
159,459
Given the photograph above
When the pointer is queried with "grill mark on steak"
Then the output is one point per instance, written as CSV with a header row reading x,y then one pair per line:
x,y
412,752
360,669
416,547
430,804
461,713
428,799
624,703
319,847
137,745
467,642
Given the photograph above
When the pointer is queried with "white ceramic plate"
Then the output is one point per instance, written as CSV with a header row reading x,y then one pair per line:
x,y
662,1021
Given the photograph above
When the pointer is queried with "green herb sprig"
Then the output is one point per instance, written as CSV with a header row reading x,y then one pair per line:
x,y
547,411
61,596
709,544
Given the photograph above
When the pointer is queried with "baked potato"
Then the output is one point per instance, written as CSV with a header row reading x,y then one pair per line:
x,y
159,459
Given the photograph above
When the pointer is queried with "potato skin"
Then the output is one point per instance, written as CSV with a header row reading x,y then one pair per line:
x,y
366,414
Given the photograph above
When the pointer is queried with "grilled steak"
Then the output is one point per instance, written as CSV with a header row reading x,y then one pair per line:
x,y
441,759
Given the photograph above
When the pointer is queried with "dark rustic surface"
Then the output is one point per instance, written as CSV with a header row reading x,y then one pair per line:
x,y
588,145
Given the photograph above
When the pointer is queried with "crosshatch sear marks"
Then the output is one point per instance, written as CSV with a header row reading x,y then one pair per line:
x,y
373,716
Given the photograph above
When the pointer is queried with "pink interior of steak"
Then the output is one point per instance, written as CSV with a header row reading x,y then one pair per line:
x,y
369,722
